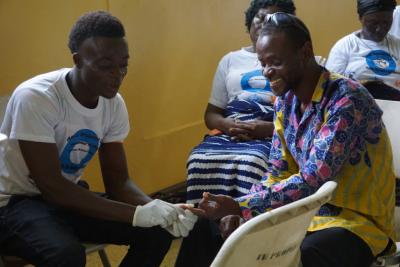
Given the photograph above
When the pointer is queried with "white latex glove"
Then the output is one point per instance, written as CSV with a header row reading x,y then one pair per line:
x,y
188,220
183,225
156,212
177,229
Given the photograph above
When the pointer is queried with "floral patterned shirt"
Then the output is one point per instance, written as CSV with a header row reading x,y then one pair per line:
x,y
340,136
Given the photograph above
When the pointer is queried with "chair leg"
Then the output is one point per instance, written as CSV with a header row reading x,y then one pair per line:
x,y
104,258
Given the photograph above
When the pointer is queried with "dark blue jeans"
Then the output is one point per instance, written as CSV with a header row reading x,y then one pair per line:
x,y
46,235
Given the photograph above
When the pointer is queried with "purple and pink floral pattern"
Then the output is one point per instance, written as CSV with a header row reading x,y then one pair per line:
x,y
311,148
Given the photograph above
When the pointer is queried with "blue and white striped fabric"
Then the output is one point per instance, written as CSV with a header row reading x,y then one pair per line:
x,y
221,166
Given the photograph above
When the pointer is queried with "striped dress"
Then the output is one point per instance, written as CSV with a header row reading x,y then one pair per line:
x,y
340,136
221,166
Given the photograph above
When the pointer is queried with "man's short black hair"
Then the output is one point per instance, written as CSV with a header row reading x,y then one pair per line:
x,y
94,24
291,25
255,5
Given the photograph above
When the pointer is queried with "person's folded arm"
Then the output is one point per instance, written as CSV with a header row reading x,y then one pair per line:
x,y
214,119
243,130
256,129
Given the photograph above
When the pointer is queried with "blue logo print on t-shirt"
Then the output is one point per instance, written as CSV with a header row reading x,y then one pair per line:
x,y
255,81
84,144
381,62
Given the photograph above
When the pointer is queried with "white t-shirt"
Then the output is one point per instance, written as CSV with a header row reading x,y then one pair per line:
x,y
43,109
239,75
395,30
367,60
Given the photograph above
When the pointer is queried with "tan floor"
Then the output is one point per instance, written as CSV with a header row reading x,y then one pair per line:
x,y
116,253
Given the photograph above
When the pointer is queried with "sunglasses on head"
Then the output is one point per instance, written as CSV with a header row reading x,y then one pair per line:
x,y
282,19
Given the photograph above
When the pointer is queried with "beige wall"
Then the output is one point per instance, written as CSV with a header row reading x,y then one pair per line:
x,y
175,47
328,21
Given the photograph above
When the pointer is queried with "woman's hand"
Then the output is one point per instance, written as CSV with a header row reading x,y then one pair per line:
x,y
238,130
380,90
215,207
251,130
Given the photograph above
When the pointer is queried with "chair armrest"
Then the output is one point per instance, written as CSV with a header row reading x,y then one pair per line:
x,y
388,260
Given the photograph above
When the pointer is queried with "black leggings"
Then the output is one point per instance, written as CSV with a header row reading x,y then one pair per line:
x,y
333,247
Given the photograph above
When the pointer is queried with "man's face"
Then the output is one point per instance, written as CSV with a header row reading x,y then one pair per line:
x,y
283,63
375,26
102,63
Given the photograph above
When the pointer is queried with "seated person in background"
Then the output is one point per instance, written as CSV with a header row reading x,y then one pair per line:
x,y
395,30
56,122
327,127
239,114
371,55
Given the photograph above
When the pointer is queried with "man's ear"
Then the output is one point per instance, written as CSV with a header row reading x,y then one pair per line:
x,y
77,59
307,50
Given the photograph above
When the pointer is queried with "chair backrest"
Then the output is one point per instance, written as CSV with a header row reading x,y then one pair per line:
x,y
273,238
391,112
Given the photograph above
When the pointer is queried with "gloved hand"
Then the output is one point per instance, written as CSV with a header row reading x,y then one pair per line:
x,y
156,212
183,225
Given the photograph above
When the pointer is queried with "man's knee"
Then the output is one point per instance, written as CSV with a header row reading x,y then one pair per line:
x,y
335,247
310,256
157,237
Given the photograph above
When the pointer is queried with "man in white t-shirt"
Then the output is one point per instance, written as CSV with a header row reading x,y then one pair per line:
x,y
56,122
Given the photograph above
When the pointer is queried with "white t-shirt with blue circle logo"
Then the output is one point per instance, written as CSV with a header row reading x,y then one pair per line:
x,y
239,75
43,109
366,60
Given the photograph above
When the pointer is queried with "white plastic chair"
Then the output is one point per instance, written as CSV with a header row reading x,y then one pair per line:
x,y
391,113
273,238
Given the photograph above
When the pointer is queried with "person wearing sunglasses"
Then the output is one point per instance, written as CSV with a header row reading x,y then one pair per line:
x,y
239,115
371,55
330,128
